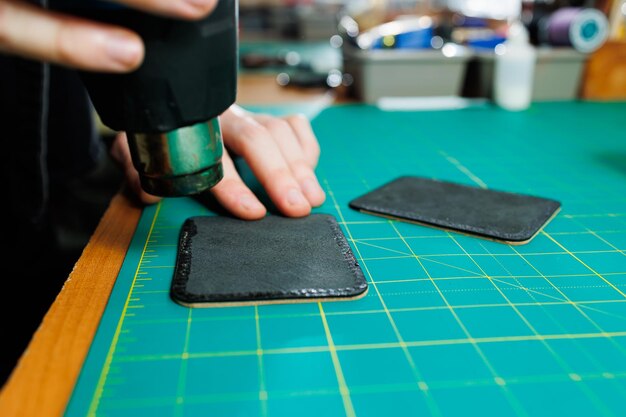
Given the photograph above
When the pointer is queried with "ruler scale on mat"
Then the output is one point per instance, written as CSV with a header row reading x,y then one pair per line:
x,y
452,325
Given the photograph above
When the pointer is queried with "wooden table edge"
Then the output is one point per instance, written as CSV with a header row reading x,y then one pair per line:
x,y
43,380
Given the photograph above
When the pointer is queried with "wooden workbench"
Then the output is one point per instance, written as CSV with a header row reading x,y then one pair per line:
x,y
43,380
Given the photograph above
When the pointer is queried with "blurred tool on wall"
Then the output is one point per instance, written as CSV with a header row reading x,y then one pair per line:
x,y
307,64
290,39
408,56
289,19
449,48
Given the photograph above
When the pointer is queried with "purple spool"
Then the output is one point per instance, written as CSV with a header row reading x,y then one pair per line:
x,y
585,29
558,26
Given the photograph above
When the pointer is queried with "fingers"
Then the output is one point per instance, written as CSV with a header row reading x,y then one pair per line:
x,y
234,195
292,151
38,34
250,139
281,153
121,154
308,142
187,9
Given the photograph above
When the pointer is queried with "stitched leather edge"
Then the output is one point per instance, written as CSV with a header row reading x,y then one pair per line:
x,y
408,215
524,235
178,289
182,270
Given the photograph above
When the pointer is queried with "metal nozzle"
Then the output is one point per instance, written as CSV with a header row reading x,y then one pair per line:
x,y
184,161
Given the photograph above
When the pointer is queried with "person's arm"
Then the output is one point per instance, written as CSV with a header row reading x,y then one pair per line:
x,y
282,152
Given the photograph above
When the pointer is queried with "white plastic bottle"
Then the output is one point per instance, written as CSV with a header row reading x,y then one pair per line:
x,y
514,70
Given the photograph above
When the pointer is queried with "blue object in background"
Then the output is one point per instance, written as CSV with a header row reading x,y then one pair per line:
x,y
415,39
472,22
486,43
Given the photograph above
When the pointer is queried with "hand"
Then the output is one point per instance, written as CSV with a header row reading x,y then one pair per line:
x,y
282,153
40,34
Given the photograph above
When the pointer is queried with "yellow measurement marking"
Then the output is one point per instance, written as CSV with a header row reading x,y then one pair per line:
x,y
607,242
378,239
427,258
478,255
182,376
95,401
528,290
586,232
609,283
343,387
584,216
381,247
363,222
384,258
361,389
508,394
499,381
584,303
575,377
577,307
416,374
391,281
375,346
464,170
594,399
157,266
259,354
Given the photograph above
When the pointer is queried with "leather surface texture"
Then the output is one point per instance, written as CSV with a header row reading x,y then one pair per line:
x,y
226,260
502,216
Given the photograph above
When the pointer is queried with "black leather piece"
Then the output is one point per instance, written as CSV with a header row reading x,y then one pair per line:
x,y
514,218
221,259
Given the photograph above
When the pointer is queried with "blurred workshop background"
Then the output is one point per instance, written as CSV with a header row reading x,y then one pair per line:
x,y
373,49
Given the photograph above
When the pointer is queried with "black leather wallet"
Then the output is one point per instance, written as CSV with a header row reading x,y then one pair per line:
x,y
502,216
226,261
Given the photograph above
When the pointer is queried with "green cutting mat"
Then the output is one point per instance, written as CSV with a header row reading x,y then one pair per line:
x,y
452,325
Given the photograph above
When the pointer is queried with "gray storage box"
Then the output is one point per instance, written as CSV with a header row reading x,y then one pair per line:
x,y
558,74
406,73
317,22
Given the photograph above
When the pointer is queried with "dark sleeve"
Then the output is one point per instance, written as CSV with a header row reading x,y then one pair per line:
x,y
73,145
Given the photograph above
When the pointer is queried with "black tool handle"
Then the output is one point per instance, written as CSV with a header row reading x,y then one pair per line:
x,y
189,73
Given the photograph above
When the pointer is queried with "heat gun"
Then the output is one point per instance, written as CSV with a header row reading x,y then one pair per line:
x,y
169,106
